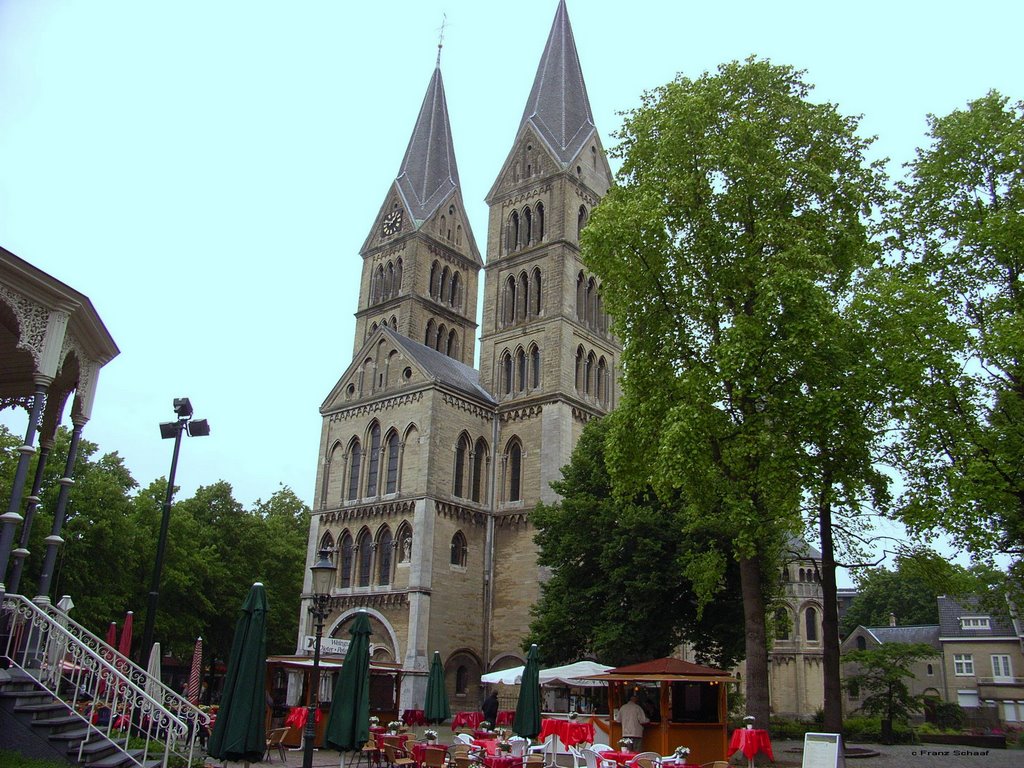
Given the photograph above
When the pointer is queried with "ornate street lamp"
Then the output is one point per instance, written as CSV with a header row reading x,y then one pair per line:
x,y
168,429
323,581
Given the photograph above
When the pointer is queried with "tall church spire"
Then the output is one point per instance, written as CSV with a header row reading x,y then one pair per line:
x,y
558,107
429,174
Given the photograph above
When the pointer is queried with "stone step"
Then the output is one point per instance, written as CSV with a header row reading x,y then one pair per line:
x,y
72,734
49,706
58,721
120,758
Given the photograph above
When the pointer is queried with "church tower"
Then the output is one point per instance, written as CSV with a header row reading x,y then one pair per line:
x,y
546,352
420,260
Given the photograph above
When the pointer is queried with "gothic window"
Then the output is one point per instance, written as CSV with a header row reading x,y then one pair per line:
x,y
579,369
456,292
522,295
812,624
535,299
593,156
540,222
327,544
444,226
398,277
459,550
581,220
354,460
453,344
601,389
461,681
364,551
458,234
445,285
394,323
509,298
374,461
377,285
527,226
345,569
862,644
506,373
389,282
384,556
461,457
782,624
588,376
515,471
521,370
391,449
479,470
442,334
581,297
591,302
513,232
428,337
404,544
433,280
535,366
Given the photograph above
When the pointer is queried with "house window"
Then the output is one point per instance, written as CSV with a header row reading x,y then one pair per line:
x,y
1001,666
812,624
963,664
974,622
931,670
862,645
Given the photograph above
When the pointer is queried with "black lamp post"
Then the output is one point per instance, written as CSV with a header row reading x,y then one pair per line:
x,y
323,581
168,429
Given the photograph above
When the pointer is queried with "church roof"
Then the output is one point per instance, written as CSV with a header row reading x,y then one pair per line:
x,y
923,633
443,369
428,174
558,107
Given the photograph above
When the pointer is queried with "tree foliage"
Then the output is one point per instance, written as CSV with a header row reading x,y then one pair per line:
x,y
960,231
620,587
724,252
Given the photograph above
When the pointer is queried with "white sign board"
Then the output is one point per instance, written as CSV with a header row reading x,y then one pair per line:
x,y
823,750
328,645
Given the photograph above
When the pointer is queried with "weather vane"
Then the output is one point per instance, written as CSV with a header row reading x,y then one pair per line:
x,y
440,37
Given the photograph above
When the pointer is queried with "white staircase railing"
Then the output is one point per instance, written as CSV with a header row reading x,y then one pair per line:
x,y
112,696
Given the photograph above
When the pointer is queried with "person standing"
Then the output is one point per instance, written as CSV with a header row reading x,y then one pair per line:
x,y
490,708
632,718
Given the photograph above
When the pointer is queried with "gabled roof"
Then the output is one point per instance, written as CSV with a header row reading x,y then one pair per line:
x,y
663,669
428,174
925,633
441,368
558,107
951,611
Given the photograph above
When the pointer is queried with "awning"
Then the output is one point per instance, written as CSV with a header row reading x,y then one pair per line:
x,y
567,674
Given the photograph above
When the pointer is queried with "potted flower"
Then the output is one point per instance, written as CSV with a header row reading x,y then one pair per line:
x,y
374,721
626,745
573,717
749,720
681,753
430,735
393,727
486,725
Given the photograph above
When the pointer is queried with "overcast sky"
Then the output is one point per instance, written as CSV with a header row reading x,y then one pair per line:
x,y
206,170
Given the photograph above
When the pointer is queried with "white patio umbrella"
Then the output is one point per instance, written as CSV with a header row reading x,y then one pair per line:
x,y
512,676
570,674
56,643
153,687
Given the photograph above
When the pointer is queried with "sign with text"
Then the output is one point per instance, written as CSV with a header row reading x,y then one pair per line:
x,y
823,750
328,645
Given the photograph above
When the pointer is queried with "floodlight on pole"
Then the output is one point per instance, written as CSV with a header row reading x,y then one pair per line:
x,y
168,430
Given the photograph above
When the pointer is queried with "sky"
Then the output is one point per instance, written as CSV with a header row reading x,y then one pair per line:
x,y
205,171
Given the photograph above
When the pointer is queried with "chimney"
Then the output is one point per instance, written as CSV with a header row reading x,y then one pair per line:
x,y
892,619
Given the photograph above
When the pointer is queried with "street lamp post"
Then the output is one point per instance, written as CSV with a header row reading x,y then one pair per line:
x,y
323,581
168,429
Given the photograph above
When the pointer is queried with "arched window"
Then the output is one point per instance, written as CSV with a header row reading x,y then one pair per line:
x,y
461,681
591,302
581,220
479,470
404,547
377,286
588,375
345,568
506,373
459,550
374,460
398,277
515,471
522,296
394,323
812,624
535,366
456,293
540,222
579,369
384,556
431,334
452,347
521,370
364,548
445,284
462,451
389,281
355,456
581,297
444,226
527,226
509,298
512,243
782,624
535,296
862,645
442,336
327,545
391,449
600,388
434,276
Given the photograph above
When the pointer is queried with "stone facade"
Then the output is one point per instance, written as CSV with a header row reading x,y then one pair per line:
x,y
429,468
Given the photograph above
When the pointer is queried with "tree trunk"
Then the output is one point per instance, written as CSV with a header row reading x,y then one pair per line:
x,y
756,646
830,624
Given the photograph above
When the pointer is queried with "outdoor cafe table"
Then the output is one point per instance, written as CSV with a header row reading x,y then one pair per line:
x,y
506,717
750,741
421,746
622,758
571,733
490,746
467,720
502,761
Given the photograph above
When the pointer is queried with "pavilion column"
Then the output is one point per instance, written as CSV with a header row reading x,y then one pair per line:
x,y
12,517
32,504
54,540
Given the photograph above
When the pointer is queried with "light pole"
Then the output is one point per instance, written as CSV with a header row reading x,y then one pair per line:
x,y
323,580
168,429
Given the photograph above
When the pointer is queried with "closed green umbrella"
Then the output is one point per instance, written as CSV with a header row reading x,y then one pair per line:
x,y
436,709
239,732
348,725
527,722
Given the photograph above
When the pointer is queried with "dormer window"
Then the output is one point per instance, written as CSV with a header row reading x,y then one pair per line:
x,y
974,622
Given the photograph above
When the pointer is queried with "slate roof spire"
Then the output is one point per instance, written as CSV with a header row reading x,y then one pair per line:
x,y
428,174
558,107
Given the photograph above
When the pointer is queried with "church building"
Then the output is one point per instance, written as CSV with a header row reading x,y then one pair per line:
x,y
429,467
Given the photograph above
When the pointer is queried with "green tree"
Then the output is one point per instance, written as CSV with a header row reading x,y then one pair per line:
x,y
960,231
618,586
884,672
724,251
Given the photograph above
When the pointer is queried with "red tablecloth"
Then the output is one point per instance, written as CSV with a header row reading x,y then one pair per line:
x,y
569,732
506,717
297,717
467,720
490,746
375,729
504,761
414,717
420,747
750,741
619,757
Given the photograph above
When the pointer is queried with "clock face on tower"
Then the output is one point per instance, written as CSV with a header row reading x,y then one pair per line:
x,y
392,223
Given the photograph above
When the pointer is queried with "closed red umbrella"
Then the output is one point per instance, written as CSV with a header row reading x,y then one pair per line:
x,y
195,671
125,644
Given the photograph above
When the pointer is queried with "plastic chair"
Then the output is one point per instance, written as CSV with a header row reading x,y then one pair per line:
x,y
518,745
465,738
275,740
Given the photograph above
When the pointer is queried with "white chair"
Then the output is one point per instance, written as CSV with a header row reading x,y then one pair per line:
x,y
601,748
646,760
518,745
465,738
